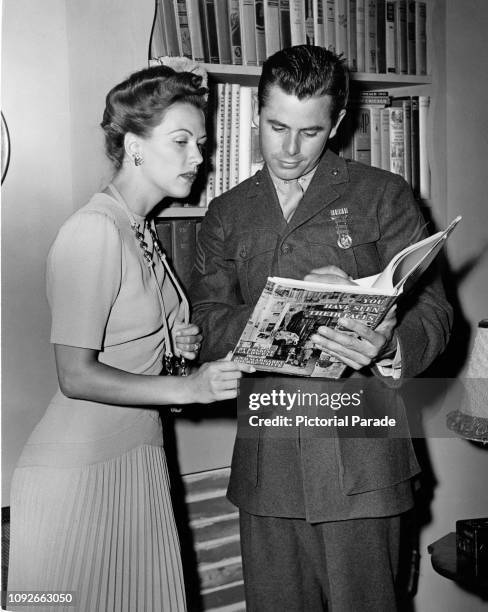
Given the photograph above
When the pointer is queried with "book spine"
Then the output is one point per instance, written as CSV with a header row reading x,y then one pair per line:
x,y
406,105
163,230
309,23
285,30
401,35
195,27
183,240
329,25
341,27
245,122
421,37
260,34
256,156
211,32
361,34
385,138
381,36
397,141
370,36
170,29
223,34
411,64
362,137
157,41
272,26
235,32
297,22
183,28
390,40
376,136
415,145
219,140
318,23
424,187
248,32
352,42
235,118
227,135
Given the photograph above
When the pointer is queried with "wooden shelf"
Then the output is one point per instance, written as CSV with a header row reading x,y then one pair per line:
x,y
182,211
249,75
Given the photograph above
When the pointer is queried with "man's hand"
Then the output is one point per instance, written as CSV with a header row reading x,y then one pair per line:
x,y
329,274
360,346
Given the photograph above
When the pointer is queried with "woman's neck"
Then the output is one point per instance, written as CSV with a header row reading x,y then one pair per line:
x,y
137,197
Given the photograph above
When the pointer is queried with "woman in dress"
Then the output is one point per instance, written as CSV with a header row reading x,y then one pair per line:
x,y
90,504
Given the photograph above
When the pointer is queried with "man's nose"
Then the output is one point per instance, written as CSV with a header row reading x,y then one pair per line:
x,y
292,144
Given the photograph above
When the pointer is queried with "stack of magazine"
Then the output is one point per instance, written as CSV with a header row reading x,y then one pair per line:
x,y
277,337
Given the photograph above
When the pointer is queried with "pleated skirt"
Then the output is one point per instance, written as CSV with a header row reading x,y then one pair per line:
x,y
103,531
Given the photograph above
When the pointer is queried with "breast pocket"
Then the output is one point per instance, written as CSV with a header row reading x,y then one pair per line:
x,y
360,259
252,255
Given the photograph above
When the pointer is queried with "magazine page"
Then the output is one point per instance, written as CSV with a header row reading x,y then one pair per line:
x,y
277,335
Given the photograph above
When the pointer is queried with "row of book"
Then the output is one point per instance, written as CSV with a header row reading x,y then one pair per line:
x,y
389,133
378,130
376,36
178,238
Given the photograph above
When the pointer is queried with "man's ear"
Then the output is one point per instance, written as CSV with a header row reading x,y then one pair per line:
x,y
341,116
255,110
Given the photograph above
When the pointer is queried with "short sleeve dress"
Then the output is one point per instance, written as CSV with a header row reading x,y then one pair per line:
x,y
90,504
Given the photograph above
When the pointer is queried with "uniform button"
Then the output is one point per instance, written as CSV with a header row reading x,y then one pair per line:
x,y
286,248
243,252
335,172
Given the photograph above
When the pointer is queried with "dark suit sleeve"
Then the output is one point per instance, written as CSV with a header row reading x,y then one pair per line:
x,y
218,307
424,315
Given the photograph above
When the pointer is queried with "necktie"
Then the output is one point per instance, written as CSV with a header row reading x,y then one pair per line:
x,y
290,193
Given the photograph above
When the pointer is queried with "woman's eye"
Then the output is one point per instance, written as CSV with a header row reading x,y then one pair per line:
x,y
181,142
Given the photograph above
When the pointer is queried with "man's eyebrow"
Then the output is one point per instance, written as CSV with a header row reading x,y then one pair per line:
x,y
311,128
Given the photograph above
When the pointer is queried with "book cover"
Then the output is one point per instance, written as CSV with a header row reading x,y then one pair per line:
x,y
260,33
235,32
420,37
341,27
297,22
329,25
401,35
223,32
183,28
271,26
285,29
370,43
352,43
406,104
195,27
277,336
183,240
248,32
361,34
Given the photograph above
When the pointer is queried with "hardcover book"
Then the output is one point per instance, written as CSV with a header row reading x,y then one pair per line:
x,y
277,337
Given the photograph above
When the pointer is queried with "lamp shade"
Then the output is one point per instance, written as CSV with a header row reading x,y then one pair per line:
x,y
471,419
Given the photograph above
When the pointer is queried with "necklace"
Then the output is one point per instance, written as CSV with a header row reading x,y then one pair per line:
x,y
173,365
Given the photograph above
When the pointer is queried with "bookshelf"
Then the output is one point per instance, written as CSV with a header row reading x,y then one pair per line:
x,y
395,83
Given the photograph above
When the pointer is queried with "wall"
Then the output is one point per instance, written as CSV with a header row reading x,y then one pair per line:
x,y
459,467
36,197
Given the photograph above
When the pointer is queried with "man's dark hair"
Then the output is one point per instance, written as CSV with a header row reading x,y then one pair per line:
x,y
306,71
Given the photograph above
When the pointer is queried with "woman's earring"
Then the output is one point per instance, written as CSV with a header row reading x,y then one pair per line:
x,y
138,160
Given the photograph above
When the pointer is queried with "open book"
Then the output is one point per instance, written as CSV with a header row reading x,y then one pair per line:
x,y
277,336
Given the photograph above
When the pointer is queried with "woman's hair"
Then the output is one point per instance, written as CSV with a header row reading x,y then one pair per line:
x,y
137,105
306,71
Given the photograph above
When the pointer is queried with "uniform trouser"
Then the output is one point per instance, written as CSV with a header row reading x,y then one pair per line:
x,y
291,565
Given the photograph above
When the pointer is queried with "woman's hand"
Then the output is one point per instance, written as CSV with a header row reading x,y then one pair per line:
x,y
216,381
186,339
186,336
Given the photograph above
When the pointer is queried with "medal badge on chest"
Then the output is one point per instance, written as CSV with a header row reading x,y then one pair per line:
x,y
339,217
